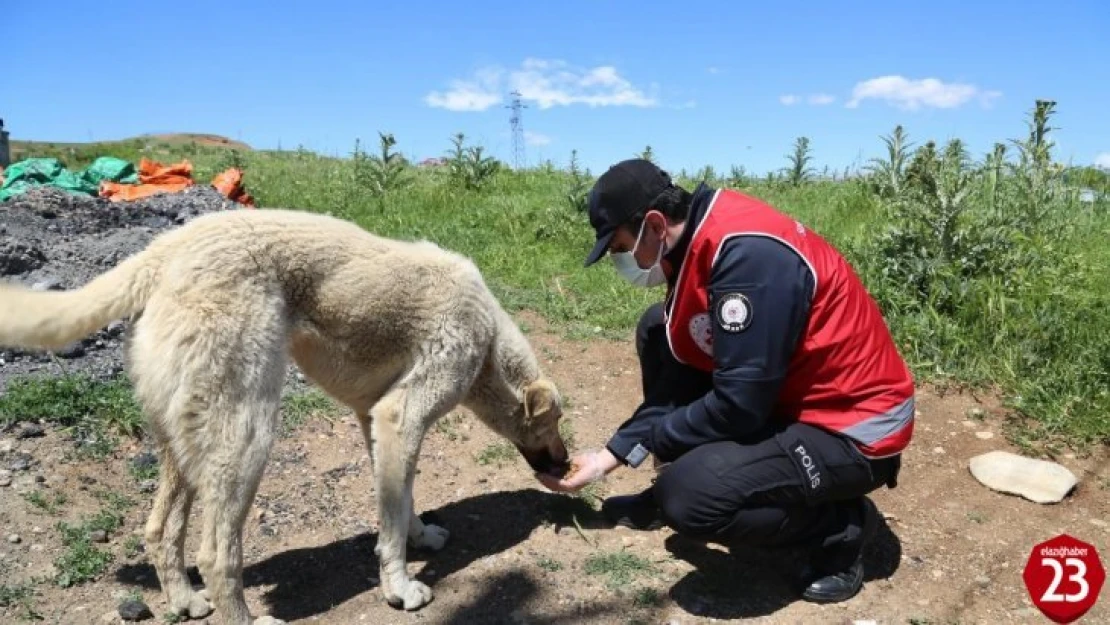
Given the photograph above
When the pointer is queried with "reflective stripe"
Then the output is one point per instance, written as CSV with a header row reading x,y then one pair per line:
x,y
878,427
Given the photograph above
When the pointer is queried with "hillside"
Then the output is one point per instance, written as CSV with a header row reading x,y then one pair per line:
x,y
131,147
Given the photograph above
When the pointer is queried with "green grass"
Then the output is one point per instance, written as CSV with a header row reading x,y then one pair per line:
x,y
297,408
989,270
95,412
82,561
619,567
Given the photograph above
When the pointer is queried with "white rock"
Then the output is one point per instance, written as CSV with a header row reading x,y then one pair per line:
x,y
1039,481
985,435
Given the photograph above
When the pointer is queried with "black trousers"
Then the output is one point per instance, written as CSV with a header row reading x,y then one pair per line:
x,y
788,485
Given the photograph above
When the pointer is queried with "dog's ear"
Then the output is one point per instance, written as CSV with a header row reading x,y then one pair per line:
x,y
540,397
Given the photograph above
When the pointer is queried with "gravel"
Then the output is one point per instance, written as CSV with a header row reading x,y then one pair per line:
x,y
52,240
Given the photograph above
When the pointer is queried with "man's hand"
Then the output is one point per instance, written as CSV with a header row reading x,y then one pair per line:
x,y
584,469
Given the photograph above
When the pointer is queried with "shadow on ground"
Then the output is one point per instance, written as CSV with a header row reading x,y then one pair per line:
x,y
311,581
756,583
505,602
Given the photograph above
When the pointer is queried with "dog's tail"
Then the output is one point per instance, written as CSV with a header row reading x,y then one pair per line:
x,y
31,319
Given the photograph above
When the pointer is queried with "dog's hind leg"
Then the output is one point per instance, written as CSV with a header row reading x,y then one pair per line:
x,y
157,381
436,383
165,539
233,473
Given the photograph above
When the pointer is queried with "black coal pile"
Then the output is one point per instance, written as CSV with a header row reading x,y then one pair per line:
x,y
50,239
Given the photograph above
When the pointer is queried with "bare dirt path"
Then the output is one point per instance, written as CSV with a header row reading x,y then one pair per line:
x,y
950,551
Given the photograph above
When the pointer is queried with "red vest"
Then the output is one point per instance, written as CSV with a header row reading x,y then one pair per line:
x,y
846,374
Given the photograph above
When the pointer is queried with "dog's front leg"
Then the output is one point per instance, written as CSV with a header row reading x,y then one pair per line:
x,y
425,535
395,470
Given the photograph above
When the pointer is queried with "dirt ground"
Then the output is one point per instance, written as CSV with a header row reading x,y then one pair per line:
x,y
949,551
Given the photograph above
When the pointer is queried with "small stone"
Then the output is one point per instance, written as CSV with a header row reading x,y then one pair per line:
x,y
938,450
37,530
6,446
31,430
147,486
985,435
983,581
98,536
937,573
39,479
1039,481
132,610
145,460
5,481
14,539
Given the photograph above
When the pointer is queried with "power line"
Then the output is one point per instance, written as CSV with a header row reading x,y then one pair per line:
x,y
517,129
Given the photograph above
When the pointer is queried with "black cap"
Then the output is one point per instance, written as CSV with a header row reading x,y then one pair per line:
x,y
627,188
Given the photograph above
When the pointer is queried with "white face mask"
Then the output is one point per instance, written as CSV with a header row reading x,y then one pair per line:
x,y
630,270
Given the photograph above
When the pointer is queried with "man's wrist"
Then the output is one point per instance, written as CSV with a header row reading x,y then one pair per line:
x,y
609,461
628,452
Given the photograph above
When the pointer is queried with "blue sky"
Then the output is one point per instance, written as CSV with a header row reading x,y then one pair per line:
x,y
709,83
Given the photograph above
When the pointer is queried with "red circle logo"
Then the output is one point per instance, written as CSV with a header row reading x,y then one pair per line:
x,y
1064,577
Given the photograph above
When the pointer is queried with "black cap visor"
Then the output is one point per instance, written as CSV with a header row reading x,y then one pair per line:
x,y
600,247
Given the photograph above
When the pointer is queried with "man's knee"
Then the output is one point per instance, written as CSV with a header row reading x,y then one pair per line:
x,y
692,500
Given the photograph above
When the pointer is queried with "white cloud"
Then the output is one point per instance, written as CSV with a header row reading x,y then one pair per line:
x,y
463,96
535,138
913,94
713,70
1103,160
542,83
816,99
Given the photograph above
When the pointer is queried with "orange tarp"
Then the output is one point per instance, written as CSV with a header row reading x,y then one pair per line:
x,y
230,183
155,178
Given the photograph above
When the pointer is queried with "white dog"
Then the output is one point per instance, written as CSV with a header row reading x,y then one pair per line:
x,y
400,332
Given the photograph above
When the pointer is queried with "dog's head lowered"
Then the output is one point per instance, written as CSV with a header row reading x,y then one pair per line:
x,y
539,440
527,417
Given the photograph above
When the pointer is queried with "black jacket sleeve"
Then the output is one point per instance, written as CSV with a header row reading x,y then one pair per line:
x,y
759,297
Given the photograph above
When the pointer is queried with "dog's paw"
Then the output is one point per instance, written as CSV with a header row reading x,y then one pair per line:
x,y
411,595
199,605
433,538
196,606
268,620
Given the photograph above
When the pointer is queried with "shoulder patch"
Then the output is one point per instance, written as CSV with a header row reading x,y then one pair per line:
x,y
734,312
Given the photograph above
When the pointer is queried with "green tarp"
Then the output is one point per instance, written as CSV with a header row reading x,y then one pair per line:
x,y
27,174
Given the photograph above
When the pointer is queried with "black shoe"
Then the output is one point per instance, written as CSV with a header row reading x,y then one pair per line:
x,y
841,585
637,512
